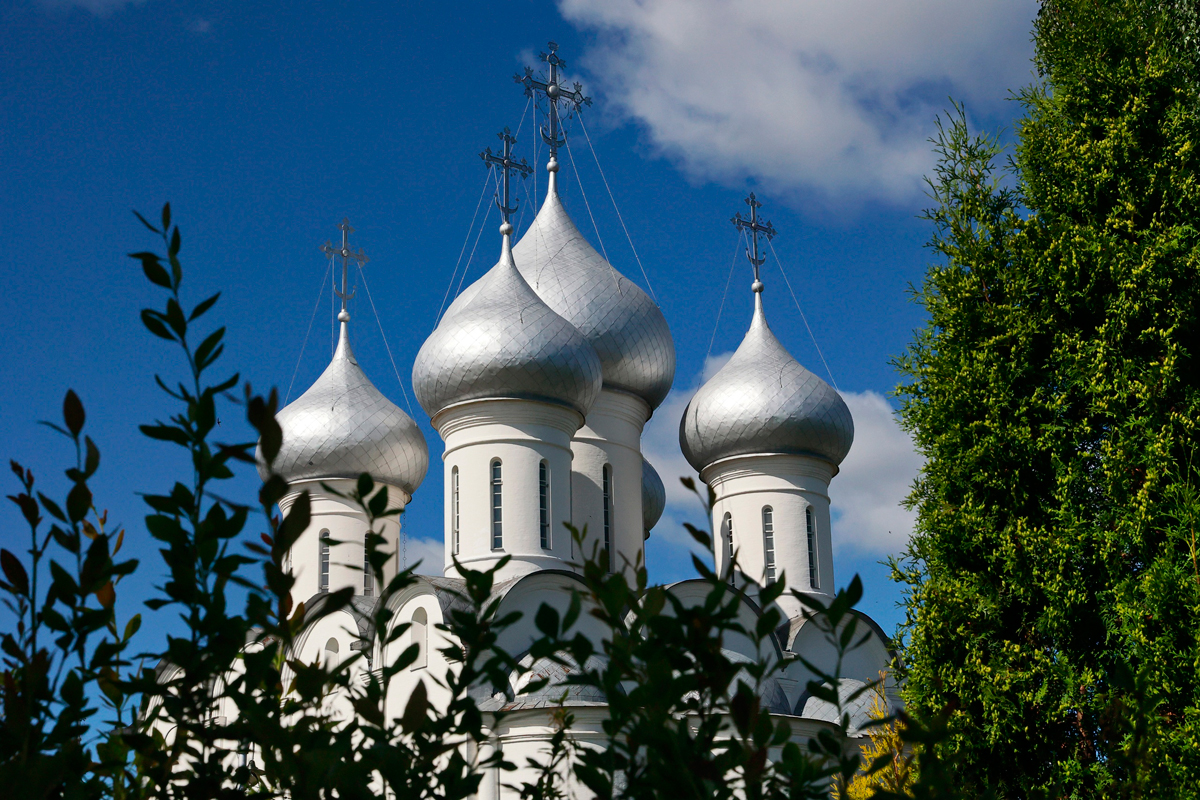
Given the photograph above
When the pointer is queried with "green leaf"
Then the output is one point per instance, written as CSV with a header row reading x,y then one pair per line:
x,y
132,626
207,347
573,609
52,507
147,224
166,433
166,216
156,324
73,414
153,269
700,536
174,318
15,572
546,620
378,502
79,502
92,459
416,712
202,306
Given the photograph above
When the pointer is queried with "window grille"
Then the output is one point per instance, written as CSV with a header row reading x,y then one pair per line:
x,y
497,512
768,522
813,577
544,502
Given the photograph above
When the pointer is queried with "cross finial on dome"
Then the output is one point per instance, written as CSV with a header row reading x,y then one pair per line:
x,y
506,164
556,93
347,254
755,227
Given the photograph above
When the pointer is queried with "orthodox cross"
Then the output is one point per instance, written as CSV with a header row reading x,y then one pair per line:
x,y
505,164
555,92
755,227
347,255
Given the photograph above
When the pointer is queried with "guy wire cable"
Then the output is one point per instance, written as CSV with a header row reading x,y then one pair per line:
x,y
379,324
779,264
732,264
316,305
613,199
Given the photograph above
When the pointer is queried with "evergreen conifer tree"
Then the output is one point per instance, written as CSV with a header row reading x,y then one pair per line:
x,y
1053,580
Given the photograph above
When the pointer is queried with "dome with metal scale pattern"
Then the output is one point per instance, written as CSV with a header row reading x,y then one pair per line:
x,y
654,497
504,342
764,401
343,426
622,323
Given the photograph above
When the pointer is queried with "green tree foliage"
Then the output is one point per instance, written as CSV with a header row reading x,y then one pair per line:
x,y
1053,584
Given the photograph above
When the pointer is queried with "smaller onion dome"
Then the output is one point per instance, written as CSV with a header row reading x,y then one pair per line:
x,y
654,497
764,401
343,426
506,343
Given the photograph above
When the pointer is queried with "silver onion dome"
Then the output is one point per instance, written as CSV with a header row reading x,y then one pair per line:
x,y
764,401
343,426
628,331
504,342
654,497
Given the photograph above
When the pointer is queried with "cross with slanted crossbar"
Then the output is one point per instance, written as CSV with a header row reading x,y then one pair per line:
x,y
347,254
555,92
755,227
506,164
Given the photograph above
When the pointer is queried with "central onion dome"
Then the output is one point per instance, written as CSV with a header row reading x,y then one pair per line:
x,y
343,426
764,401
619,320
504,342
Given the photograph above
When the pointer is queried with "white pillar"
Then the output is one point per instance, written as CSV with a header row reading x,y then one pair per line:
x,y
523,437
611,437
795,489
341,520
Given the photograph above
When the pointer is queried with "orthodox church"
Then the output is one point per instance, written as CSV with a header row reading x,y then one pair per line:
x,y
539,379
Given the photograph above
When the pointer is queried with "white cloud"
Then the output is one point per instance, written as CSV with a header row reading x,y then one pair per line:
x,y
803,95
865,496
100,8
874,480
430,552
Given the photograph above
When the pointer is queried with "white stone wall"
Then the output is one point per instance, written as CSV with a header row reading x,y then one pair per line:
x,y
521,434
612,435
789,484
347,525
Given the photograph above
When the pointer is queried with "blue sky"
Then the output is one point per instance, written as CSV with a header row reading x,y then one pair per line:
x,y
264,124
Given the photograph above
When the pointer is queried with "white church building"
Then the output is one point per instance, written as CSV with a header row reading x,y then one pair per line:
x,y
540,379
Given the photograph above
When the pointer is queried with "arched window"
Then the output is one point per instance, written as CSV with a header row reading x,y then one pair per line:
x,y
768,515
323,561
813,580
454,511
331,653
544,502
368,573
497,519
607,491
419,635
727,541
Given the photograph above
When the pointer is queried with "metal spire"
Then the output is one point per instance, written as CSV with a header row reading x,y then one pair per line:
x,y
755,227
555,93
506,164
347,254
